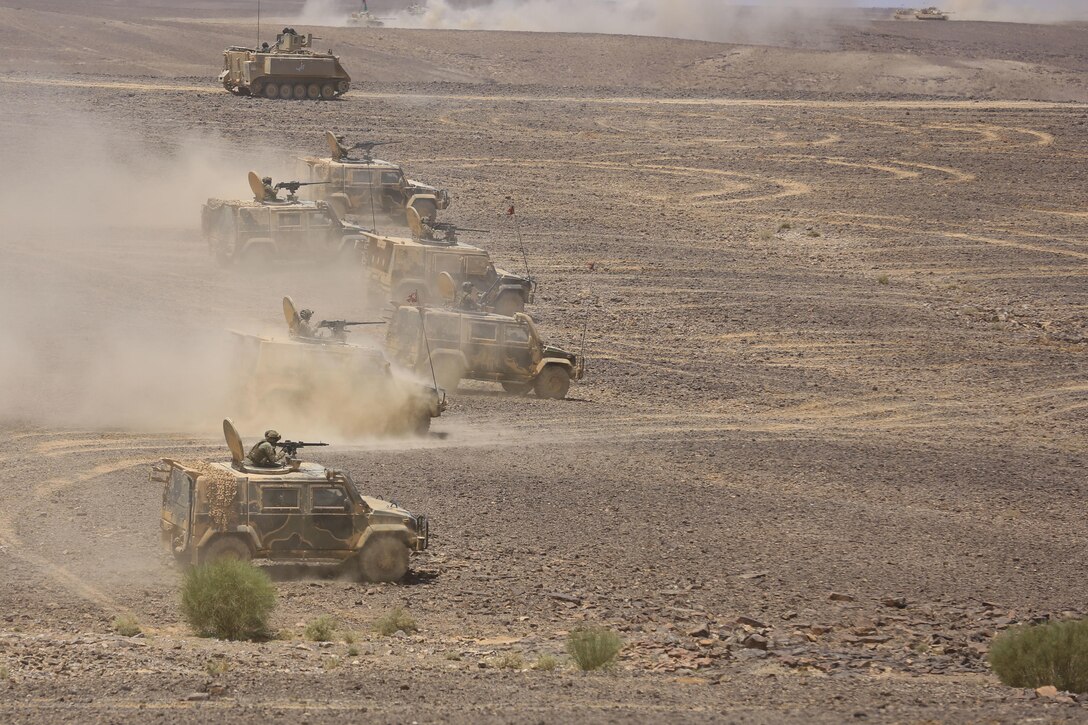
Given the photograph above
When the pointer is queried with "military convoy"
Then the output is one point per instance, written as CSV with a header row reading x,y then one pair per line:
x,y
267,228
296,511
289,69
359,186
457,344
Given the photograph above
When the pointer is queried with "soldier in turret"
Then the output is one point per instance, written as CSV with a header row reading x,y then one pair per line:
x,y
269,190
264,453
468,299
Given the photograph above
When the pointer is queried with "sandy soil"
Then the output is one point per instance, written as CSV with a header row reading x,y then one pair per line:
x,y
837,359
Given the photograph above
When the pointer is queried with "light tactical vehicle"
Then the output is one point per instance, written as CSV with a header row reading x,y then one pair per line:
x,y
361,187
323,382
481,346
267,228
931,13
288,69
292,512
429,268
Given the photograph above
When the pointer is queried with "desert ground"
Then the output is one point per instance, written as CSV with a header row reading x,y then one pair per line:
x,y
831,435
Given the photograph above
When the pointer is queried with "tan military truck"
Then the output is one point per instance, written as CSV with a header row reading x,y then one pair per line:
x,y
327,383
480,346
296,511
361,187
290,69
268,228
931,13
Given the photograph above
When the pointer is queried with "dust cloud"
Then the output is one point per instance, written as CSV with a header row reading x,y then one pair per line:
x,y
1018,11
768,22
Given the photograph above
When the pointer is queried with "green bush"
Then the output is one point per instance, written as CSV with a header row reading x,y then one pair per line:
x,y
393,620
508,661
592,648
126,625
546,663
321,629
228,599
1046,654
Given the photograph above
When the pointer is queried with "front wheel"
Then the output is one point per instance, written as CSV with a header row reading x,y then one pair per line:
x,y
517,388
552,382
384,559
226,548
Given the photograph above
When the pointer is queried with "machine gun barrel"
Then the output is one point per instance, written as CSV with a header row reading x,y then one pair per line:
x,y
447,227
295,185
291,447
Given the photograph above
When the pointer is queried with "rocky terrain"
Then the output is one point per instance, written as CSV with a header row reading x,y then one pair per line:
x,y
830,440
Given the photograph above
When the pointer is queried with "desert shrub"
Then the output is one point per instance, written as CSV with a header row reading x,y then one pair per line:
x,y
765,235
217,666
349,637
321,629
4,674
1046,654
882,279
393,620
812,233
546,663
353,651
785,227
592,648
126,625
508,661
228,599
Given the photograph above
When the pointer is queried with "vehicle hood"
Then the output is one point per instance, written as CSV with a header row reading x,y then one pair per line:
x,y
384,508
553,351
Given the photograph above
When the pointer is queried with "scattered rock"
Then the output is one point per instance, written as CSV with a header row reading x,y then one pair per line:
x,y
755,641
754,575
895,602
749,621
839,597
699,631
1046,691
197,696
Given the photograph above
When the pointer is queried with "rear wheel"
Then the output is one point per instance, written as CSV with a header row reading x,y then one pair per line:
x,y
552,382
517,388
300,91
272,91
328,91
384,559
285,90
226,548
313,91
509,303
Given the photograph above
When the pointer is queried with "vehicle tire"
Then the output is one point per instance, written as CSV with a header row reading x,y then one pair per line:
x,y
552,382
271,91
426,209
285,91
383,559
256,89
313,91
328,91
224,548
447,372
421,422
300,91
343,87
509,303
516,388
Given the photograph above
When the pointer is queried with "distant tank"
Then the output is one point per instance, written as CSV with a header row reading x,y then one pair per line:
x,y
288,69
365,18
931,14
905,14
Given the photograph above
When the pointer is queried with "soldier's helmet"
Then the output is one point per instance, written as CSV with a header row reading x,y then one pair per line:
x,y
267,180
306,315
271,435
466,286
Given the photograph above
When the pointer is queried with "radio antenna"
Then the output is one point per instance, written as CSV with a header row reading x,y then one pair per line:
x,y
258,45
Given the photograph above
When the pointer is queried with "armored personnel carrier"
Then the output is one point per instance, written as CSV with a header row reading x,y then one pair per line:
x,y
365,18
288,69
904,14
296,511
481,346
323,382
931,13
434,264
269,228
359,186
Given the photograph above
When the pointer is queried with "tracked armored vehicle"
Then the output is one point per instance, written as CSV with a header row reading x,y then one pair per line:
x,y
296,511
290,69
931,13
904,14
359,186
323,382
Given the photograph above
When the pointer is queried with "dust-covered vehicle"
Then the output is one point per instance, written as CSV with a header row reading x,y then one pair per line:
x,y
288,69
480,346
296,511
326,383
361,187
268,228
931,13
428,269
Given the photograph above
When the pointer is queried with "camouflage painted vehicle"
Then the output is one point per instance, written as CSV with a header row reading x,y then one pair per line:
x,y
323,382
904,14
360,186
931,13
265,229
290,69
428,269
293,512
481,346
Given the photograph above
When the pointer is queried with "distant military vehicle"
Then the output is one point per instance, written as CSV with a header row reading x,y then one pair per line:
x,y
365,18
288,69
268,228
324,382
481,346
904,14
429,268
360,186
293,512
931,13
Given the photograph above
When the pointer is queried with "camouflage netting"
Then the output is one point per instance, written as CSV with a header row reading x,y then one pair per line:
x,y
221,488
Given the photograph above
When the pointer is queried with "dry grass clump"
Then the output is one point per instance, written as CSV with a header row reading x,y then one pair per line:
x,y
395,620
546,663
1046,654
593,648
321,629
126,625
228,599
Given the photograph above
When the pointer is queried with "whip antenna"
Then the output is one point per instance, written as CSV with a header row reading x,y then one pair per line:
x,y
511,212
427,346
258,45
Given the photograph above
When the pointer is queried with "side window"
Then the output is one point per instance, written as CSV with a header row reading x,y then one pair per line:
x,y
448,263
517,335
329,499
484,331
360,176
279,498
390,178
444,327
320,219
289,220
476,266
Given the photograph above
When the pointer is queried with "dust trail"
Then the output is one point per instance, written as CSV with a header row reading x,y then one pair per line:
x,y
1018,11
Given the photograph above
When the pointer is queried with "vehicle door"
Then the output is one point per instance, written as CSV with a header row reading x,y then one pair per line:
x,y
361,191
289,232
323,236
394,196
404,339
517,353
480,343
177,501
275,513
330,525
